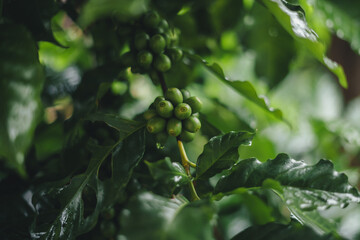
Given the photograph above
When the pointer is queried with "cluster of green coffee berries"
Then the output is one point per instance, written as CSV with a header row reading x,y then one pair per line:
x,y
153,46
176,115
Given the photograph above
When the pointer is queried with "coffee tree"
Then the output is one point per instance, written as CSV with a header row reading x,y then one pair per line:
x,y
119,121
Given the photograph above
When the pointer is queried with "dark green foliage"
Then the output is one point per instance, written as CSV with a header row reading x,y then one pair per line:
x,y
274,231
19,70
108,229
288,172
220,153
86,154
128,59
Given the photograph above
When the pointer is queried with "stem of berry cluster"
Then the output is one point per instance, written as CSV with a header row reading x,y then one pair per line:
x,y
184,159
162,82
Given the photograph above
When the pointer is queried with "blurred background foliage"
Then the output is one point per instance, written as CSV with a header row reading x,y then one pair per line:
x,y
79,44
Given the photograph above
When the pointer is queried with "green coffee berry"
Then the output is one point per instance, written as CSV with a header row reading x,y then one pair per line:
x,y
186,136
162,63
108,229
174,127
128,59
151,19
192,124
157,43
150,113
195,104
141,41
167,39
182,111
144,58
156,125
174,95
162,137
196,115
163,26
175,54
185,93
158,99
165,109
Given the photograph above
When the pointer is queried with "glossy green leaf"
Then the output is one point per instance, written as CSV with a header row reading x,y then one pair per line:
x,y
304,187
313,219
292,18
168,173
123,9
289,172
275,231
124,126
21,81
35,15
67,220
220,153
245,88
149,216
343,18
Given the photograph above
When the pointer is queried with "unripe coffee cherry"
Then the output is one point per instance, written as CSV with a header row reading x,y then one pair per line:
x,y
164,25
167,39
182,111
174,127
141,41
128,59
186,136
162,63
185,93
165,109
174,95
157,43
150,113
192,124
156,125
144,59
158,99
175,54
151,19
195,104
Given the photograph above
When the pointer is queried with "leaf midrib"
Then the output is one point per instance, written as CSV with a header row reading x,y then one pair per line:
x,y
91,172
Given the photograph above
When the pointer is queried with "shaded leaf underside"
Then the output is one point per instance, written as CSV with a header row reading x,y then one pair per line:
x,y
68,221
